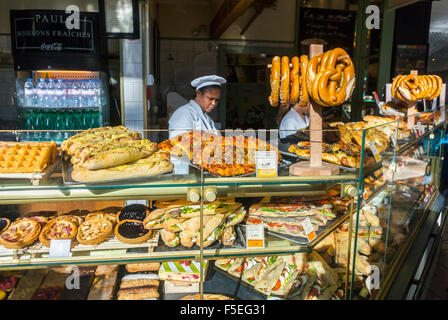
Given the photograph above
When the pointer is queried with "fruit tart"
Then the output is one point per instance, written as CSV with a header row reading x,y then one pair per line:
x,y
132,231
133,212
4,224
94,231
20,234
58,229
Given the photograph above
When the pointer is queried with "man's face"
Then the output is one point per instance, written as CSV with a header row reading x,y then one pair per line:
x,y
209,99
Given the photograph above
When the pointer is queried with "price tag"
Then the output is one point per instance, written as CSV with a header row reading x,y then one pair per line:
x,y
266,164
254,236
60,248
420,128
308,229
374,151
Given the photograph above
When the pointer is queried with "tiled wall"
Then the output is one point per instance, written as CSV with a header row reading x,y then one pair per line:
x,y
133,83
183,60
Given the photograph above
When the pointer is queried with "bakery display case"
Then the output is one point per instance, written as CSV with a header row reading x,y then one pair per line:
x,y
322,237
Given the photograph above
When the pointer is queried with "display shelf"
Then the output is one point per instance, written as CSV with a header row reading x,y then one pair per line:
x,y
275,247
399,257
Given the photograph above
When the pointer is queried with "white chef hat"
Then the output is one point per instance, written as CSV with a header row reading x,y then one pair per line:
x,y
206,81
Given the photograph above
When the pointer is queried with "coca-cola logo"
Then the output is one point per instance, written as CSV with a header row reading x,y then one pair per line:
x,y
51,46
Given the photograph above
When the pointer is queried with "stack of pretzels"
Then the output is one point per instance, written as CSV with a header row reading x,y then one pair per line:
x,y
413,87
288,84
328,78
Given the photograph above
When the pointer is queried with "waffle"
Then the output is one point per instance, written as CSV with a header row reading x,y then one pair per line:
x,y
24,157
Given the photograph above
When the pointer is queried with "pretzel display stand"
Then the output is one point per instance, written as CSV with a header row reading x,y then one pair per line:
x,y
412,109
314,167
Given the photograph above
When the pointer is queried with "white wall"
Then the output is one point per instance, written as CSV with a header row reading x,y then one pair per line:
x,y
180,19
273,24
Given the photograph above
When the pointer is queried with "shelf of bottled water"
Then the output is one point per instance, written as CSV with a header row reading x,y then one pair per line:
x,y
60,104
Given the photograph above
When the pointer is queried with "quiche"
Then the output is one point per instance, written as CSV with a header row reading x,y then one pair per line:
x,y
94,231
20,234
58,229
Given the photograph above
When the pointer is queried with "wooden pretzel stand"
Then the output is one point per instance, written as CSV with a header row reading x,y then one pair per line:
x,y
314,167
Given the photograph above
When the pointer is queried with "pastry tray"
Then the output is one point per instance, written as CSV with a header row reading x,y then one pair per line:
x,y
301,240
36,178
307,159
284,163
110,244
240,243
67,169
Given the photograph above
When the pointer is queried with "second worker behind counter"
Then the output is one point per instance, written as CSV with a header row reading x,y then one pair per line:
x,y
295,119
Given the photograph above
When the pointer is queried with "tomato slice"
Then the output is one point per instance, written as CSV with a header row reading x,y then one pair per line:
x,y
277,285
255,221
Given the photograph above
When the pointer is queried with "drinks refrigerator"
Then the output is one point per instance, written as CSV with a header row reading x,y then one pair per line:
x,y
82,102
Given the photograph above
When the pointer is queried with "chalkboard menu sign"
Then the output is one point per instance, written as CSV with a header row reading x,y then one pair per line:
x,y
335,27
44,37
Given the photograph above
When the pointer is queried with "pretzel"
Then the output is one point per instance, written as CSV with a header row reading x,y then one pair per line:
x,y
412,87
295,80
275,81
284,84
439,87
330,77
303,90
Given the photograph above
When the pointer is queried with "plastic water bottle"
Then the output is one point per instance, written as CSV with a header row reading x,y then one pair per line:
x,y
98,93
51,92
29,93
41,93
84,94
92,94
61,93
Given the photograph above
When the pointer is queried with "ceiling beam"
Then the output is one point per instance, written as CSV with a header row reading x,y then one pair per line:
x,y
229,11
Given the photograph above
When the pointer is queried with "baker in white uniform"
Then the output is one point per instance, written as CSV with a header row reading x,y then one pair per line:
x,y
295,119
194,115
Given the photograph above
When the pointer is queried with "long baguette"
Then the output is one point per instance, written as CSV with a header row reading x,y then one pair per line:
x,y
123,172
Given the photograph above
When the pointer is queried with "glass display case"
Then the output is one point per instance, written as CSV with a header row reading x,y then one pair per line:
x,y
338,236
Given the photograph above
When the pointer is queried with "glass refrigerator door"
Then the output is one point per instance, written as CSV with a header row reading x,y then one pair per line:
x,y
59,102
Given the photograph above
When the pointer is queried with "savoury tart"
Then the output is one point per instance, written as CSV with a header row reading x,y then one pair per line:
x,y
4,224
101,215
58,229
20,234
94,231
132,231
133,212
77,220
41,219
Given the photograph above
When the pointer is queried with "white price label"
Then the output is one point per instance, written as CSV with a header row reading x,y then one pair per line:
x,y
308,229
374,151
266,164
60,248
254,236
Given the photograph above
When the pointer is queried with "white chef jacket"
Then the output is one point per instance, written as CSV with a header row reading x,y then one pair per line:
x,y
292,122
190,117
